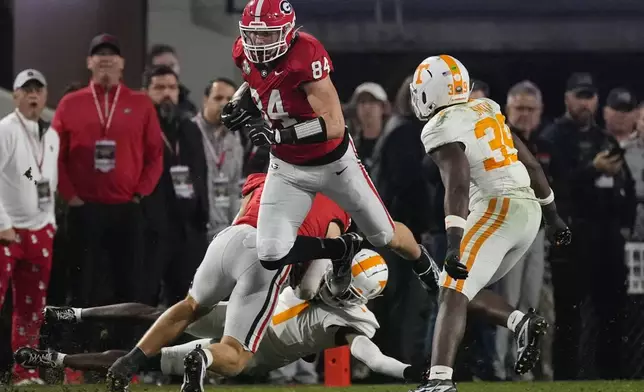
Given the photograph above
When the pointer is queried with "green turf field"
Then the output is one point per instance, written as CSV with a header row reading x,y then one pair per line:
x,y
592,386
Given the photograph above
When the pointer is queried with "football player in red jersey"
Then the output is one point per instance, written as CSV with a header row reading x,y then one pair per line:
x,y
286,76
231,268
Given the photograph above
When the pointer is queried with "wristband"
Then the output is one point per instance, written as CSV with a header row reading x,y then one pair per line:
x,y
454,221
311,131
547,200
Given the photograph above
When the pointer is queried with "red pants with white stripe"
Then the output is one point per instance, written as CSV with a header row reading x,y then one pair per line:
x,y
27,264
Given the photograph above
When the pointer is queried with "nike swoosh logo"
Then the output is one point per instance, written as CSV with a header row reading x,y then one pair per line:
x,y
278,73
341,171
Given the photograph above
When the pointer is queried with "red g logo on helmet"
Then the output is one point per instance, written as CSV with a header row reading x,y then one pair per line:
x,y
286,7
267,28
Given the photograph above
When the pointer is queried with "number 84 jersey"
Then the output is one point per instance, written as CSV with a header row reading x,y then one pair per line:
x,y
277,91
495,170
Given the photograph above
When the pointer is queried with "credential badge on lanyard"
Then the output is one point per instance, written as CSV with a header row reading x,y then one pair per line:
x,y
105,148
43,189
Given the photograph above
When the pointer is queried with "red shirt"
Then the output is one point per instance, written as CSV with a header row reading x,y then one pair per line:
x,y
134,128
279,94
322,213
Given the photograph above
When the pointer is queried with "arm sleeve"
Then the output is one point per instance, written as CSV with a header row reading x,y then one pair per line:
x,y
152,153
368,353
5,149
65,186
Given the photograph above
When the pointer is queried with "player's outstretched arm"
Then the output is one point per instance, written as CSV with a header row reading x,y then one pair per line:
x,y
455,173
368,353
558,230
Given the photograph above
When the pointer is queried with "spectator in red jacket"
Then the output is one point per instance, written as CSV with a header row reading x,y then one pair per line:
x,y
111,156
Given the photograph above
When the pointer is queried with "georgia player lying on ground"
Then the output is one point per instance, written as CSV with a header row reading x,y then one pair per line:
x,y
492,213
230,267
298,329
288,101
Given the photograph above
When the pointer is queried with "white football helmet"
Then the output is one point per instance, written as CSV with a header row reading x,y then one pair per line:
x,y
437,82
369,277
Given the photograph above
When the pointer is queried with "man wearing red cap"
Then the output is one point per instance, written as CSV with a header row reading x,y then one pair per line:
x,y
111,156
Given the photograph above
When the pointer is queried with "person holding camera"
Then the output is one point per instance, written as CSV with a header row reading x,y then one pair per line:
x,y
595,193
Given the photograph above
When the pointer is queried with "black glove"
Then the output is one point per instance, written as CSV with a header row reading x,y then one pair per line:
x,y
260,132
557,230
234,116
453,265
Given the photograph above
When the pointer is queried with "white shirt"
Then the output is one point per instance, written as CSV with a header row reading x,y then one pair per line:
x,y
298,328
495,170
21,150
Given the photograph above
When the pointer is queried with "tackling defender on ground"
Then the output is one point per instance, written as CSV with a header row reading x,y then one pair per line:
x,y
298,328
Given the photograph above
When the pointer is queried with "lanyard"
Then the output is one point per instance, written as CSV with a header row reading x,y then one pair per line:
x,y
31,145
109,113
175,150
219,159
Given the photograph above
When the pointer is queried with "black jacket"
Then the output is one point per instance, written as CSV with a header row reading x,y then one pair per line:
x,y
575,182
397,170
187,108
163,209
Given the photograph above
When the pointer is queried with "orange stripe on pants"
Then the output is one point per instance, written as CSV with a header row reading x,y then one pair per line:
x,y
470,233
481,240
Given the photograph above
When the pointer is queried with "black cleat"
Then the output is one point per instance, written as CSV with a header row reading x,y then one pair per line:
x,y
194,371
340,280
428,271
117,383
62,314
528,335
436,386
31,358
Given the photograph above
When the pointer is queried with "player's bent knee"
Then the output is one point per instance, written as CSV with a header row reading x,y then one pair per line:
x,y
272,250
382,238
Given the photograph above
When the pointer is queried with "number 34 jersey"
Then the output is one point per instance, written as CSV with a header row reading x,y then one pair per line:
x,y
495,170
278,94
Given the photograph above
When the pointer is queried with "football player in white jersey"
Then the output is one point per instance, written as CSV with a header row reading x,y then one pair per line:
x,y
493,209
298,329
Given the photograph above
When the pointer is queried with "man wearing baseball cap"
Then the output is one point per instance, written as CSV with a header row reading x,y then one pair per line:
x,y
595,194
28,163
372,108
111,156
620,114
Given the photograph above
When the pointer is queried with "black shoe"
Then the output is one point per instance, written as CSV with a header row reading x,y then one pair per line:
x,y
436,386
194,368
117,383
341,277
62,314
31,358
528,335
428,271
